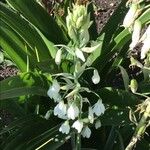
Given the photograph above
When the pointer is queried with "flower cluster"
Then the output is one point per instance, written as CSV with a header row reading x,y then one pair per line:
x,y
69,108
67,94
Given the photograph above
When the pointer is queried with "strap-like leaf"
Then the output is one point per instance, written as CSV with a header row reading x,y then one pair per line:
x,y
35,14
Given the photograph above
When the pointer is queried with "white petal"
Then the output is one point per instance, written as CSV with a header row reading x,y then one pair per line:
x,y
80,55
78,125
86,132
56,86
73,111
60,109
136,34
145,48
95,77
98,124
99,108
91,115
58,57
130,16
65,128
53,90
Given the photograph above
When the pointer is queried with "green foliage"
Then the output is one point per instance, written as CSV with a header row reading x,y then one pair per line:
x,y
31,38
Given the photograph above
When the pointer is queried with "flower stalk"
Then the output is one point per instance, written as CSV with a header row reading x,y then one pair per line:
x,y
141,127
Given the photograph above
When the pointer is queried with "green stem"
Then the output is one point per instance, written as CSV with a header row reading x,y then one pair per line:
x,y
73,141
78,142
141,127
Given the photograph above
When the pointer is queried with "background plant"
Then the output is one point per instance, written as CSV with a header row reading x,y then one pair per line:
x,y
26,94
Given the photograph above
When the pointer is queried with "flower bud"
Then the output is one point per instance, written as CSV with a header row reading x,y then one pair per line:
x,y
58,57
133,85
77,20
96,77
136,34
130,16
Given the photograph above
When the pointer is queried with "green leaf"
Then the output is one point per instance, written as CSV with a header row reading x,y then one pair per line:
x,y
115,116
117,97
36,15
14,47
125,78
25,84
27,32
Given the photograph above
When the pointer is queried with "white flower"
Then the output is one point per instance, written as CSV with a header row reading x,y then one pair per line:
x,y
58,57
79,54
60,110
130,16
98,124
99,108
86,132
95,77
65,128
146,43
53,91
91,115
73,111
136,34
78,125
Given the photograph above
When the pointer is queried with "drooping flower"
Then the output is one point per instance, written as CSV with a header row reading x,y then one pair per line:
x,y
86,132
53,91
58,57
130,16
99,108
98,124
95,77
146,43
136,34
79,54
91,115
73,111
60,110
78,125
65,128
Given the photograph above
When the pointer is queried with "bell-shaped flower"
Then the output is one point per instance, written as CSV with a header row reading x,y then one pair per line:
x,y
99,108
58,57
60,110
73,111
53,91
86,132
65,128
78,125
98,124
130,16
91,115
136,34
95,77
79,54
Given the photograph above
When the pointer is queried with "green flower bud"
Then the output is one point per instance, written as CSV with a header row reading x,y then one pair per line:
x,y
133,85
78,22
